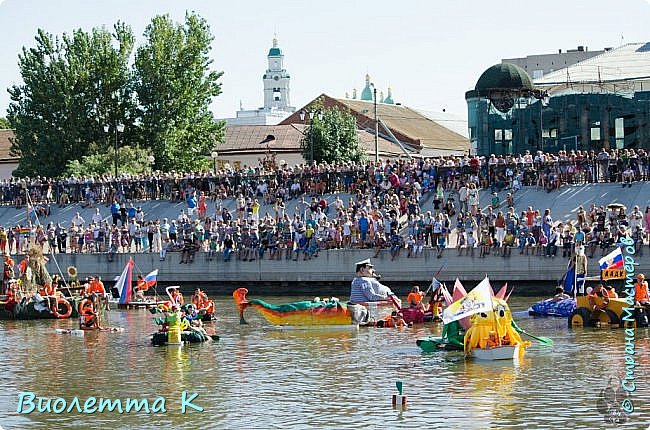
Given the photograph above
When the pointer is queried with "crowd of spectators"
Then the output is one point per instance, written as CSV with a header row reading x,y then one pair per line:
x,y
396,206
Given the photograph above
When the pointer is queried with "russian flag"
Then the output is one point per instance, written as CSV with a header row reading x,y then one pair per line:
x,y
151,278
123,283
613,260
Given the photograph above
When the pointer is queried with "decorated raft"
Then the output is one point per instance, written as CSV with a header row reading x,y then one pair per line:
x,y
312,313
39,307
490,332
452,339
34,294
553,308
179,325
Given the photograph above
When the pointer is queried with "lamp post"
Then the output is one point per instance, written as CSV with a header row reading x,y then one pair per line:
x,y
119,128
310,115
151,159
214,155
374,93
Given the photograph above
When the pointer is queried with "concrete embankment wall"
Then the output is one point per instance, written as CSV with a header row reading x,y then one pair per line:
x,y
332,271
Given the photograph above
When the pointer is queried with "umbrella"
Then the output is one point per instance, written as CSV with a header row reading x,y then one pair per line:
x,y
615,206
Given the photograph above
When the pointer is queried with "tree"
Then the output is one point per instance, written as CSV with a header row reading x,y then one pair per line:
x,y
331,136
4,123
72,86
132,160
175,87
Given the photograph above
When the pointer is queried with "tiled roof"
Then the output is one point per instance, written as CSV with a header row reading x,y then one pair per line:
x,y
6,135
286,138
409,126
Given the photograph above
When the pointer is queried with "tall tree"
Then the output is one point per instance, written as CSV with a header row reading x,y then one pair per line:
x,y
71,87
331,136
175,87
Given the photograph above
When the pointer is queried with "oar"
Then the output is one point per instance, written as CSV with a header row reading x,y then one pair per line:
x,y
541,339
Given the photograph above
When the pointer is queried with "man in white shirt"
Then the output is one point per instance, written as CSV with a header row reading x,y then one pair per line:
x,y
97,217
77,219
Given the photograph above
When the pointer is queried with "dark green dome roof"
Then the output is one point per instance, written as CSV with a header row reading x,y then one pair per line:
x,y
503,76
275,52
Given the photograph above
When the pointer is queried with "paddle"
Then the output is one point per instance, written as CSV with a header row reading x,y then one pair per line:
x,y
541,339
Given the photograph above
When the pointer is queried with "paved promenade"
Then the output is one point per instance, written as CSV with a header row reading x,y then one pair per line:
x,y
332,270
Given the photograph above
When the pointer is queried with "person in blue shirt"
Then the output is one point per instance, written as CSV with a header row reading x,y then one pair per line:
x,y
131,211
191,204
115,211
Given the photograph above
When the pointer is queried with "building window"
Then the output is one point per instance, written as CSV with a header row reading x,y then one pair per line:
x,y
538,74
595,133
619,132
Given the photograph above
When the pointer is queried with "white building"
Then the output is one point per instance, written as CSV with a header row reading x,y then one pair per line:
x,y
277,105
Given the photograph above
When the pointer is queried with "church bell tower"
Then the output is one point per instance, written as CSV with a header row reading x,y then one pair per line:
x,y
276,81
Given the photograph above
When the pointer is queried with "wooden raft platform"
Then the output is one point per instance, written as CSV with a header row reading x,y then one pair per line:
x,y
137,305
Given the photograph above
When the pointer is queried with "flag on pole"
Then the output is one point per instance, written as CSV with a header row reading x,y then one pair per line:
x,y
445,293
477,300
613,260
124,283
151,278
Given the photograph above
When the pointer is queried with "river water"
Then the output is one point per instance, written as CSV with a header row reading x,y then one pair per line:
x,y
260,377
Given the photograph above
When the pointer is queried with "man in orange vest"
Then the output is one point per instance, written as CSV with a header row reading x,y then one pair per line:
x,y
97,286
140,288
641,295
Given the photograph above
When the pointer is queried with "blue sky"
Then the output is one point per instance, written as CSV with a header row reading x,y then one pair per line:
x,y
429,52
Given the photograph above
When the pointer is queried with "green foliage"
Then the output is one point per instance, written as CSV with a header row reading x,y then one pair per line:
x,y
332,136
174,88
76,84
70,89
4,123
131,160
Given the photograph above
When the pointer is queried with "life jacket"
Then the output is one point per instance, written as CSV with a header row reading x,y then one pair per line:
x,y
97,286
141,285
22,266
641,294
492,341
415,298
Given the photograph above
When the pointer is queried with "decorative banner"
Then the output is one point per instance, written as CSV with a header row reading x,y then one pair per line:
x,y
477,300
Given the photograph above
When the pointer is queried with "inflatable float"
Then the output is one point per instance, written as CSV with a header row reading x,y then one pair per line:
x,y
313,313
451,340
553,308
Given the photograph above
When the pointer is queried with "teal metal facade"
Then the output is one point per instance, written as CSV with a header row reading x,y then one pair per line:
x,y
571,121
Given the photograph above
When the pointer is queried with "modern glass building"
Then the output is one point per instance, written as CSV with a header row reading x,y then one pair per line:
x,y
601,102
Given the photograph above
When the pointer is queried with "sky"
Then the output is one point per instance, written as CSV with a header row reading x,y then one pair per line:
x,y
429,52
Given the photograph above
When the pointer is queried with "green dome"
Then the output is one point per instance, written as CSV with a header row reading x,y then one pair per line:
x,y
366,94
275,51
504,76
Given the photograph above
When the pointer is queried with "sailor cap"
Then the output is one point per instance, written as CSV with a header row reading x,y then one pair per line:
x,y
363,263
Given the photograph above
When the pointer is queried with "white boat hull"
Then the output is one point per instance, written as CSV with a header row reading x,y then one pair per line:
x,y
498,353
